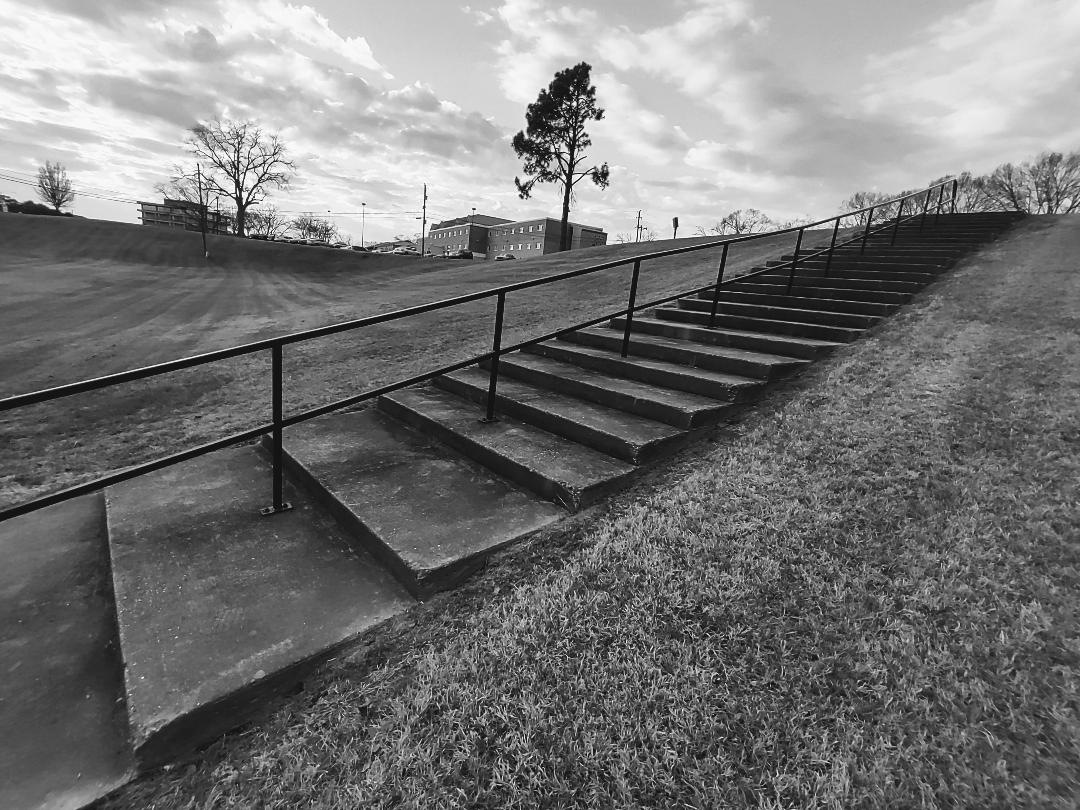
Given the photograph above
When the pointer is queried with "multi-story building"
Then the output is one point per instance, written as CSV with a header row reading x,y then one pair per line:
x,y
183,214
490,236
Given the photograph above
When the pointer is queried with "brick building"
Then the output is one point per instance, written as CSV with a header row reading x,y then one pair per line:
x,y
490,236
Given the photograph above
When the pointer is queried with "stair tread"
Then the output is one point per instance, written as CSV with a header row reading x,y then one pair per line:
x,y
640,390
638,432
793,339
637,338
854,320
432,509
576,468
61,697
213,599
723,377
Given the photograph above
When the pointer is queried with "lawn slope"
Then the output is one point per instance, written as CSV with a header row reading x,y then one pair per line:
x,y
866,597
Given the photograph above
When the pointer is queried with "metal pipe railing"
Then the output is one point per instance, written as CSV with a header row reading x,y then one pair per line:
x,y
279,421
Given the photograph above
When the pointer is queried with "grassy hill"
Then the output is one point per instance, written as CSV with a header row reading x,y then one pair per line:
x,y
84,298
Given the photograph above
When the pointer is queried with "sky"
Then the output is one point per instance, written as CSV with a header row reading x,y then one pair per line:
x,y
710,105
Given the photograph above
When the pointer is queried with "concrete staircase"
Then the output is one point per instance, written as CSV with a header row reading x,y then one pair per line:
x,y
179,609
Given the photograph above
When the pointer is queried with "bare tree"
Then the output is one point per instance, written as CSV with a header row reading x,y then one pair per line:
x,y
745,220
1048,185
554,141
53,186
239,162
864,199
312,227
268,222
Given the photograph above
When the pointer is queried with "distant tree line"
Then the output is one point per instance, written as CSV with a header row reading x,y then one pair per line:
x,y
31,207
1048,184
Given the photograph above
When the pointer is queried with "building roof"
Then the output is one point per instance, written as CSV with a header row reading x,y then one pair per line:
x,y
475,219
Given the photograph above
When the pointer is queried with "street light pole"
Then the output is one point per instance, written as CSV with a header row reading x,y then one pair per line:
x,y
363,220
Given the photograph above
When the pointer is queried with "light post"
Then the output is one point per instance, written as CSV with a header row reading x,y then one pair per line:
x,y
363,220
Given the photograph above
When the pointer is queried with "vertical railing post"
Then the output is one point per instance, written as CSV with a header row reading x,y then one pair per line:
x,y
630,309
716,289
795,261
955,186
276,452
866,233
940,197
832,246
925,208
496,347
896,225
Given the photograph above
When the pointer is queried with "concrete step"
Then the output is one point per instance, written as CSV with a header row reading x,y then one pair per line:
x,y
551,466
744,362
427,514
635,439
802,301
677,408
714,384
818,279
65,736
867,272
219,607
814,291
786,345
787,313
868,263
771,326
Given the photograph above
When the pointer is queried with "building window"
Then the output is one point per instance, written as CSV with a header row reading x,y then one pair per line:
x,y
539,227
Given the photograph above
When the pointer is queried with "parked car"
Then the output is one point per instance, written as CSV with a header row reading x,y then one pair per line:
x,y
341,245
459,254
317,242
406,251
357,248
502,257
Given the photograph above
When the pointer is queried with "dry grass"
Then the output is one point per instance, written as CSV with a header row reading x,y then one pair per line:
x,y
866,598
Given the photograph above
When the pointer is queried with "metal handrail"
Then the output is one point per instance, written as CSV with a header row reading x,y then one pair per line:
x,y
275,346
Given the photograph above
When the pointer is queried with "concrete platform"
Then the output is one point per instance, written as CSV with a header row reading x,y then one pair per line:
x,y
63,730
219,607
425,512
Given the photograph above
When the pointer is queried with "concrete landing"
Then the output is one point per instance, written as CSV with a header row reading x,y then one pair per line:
x,y
428,514
217,606
63,732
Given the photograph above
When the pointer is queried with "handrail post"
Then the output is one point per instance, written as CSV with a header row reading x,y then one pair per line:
x,y
496,346
940,197
866,233
279,504
832,246
630,308
896,226
795,261
925,208
955,186
716,289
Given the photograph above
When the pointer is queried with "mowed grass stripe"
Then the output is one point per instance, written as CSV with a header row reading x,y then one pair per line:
x,y
867,598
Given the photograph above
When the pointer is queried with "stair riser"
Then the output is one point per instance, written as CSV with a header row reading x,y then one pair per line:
x,y
783,313
896,264
810,291
905,288
799,300
499,464
854,273
553,423
680,381
687,356
792,328
758,343
659,411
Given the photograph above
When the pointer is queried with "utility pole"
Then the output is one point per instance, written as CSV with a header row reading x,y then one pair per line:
x,y
363,220
423,222
202,210
637,228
